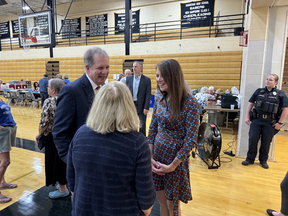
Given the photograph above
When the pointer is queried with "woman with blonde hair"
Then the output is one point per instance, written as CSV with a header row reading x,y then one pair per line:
x,y
109,165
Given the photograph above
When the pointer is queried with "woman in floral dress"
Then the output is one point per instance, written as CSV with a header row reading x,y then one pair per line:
x,y
55,168
172,135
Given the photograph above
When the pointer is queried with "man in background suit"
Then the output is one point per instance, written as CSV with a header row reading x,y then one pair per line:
x,y
74,100
140,88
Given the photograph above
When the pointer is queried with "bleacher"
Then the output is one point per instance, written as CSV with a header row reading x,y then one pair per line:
x,y
220,69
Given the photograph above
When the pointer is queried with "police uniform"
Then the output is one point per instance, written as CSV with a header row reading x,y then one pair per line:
x,y
268,109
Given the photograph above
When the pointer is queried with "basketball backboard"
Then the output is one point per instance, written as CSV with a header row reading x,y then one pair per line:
x,y
35,29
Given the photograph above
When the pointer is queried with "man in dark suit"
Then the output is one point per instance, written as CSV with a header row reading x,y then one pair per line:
x,y
74,100
140,88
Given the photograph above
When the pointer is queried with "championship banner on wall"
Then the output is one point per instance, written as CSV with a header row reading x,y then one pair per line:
x,y
15,28
4,30
71,28
197,14
120,22
96,25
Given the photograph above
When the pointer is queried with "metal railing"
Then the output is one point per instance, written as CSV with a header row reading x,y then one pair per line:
x,y
218,26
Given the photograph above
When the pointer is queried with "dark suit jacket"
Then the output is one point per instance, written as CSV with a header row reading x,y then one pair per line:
x,y
144,92
73,104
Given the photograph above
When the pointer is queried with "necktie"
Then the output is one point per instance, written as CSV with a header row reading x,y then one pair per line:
x,y
96,89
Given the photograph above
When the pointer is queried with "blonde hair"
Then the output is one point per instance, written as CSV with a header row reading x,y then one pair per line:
x,y
59,76
276,78
113,110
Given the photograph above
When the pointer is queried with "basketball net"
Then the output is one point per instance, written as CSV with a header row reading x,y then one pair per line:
x,y
24,38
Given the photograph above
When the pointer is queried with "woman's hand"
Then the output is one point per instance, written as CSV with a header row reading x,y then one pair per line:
x,y
247,121
37,137
161,169
2,128
155,167
277,126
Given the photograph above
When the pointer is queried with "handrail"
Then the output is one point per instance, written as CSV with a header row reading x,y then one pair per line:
x,y
164,30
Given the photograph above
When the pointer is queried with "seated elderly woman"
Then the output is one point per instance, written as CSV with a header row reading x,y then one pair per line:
x,y
214,94
203,96
109,162
55,168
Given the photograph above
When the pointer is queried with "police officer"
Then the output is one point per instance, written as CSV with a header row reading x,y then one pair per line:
x,y
268,108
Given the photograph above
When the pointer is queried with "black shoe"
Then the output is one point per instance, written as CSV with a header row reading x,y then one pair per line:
x,y
246,163
264,165
269,212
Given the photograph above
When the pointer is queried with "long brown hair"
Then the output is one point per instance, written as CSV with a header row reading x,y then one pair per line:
x,y
172,74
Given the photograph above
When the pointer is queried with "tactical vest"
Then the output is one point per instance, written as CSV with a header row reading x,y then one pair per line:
x,y
268,102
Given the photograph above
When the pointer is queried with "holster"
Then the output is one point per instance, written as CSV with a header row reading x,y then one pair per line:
x,y
252,114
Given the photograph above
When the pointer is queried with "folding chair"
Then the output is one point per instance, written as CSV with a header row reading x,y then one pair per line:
x,y
34,100
28,98
19,98
12,97
6,96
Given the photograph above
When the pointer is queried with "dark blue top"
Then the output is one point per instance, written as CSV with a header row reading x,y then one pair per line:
x,y
283,100
43,83
110,174
6,118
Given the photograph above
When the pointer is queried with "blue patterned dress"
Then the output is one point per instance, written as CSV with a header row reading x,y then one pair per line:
x,y
174,138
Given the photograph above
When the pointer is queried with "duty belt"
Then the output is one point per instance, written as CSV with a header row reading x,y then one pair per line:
x,y
265,116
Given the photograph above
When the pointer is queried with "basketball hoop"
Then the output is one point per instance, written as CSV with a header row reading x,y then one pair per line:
x,y
243,39
26,48
24,38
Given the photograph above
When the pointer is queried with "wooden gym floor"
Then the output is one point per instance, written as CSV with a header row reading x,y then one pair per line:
x,y
231,190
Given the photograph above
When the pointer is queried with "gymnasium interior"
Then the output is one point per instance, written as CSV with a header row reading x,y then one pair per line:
x,y
231,43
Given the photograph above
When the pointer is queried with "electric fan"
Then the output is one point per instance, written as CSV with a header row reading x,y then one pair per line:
x,y
209,144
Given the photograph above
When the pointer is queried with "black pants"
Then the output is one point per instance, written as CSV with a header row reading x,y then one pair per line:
x,y
260,128
44,96
142,119
55,168
284,190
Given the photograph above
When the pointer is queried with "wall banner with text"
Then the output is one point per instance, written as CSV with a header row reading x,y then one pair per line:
x,y
4,30
71,28
197,14
96,25
15,28
120,22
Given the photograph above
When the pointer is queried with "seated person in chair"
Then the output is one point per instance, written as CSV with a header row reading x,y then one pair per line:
x,y
214,94
202,98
